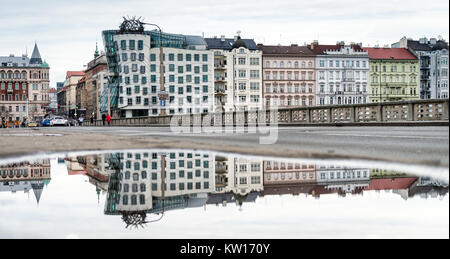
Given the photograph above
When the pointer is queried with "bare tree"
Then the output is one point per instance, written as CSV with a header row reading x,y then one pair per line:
x,y
4,114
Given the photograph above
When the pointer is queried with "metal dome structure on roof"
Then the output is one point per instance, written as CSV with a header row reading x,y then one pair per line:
x,y
238,43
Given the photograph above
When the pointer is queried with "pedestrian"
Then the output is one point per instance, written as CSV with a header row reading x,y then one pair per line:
x,y
92,121
103,119
108,118
80,120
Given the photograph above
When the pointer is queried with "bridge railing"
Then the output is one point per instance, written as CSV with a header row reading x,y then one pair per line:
x,y
405,111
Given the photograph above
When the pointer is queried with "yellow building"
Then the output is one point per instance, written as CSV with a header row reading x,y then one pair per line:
x,y
394,75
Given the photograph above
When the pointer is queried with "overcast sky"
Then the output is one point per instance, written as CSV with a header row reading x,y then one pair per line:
x,y
66,31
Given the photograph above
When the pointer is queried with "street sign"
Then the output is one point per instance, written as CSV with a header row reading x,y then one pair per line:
x,y
163,95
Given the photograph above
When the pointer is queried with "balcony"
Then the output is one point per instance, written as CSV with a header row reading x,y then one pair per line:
x,y
219,66
220,78
219,91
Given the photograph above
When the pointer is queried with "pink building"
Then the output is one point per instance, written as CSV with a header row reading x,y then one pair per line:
x,y
281,173
288,76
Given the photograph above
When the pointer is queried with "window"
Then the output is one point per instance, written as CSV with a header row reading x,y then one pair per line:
x,y
132,45
254,61
254,73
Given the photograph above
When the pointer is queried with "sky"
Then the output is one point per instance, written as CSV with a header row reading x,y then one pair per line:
x,y
66,32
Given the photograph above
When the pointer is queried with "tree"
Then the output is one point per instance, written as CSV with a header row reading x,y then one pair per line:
x,y
4,113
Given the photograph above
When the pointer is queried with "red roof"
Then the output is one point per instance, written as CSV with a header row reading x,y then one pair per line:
x,y
320,49
390,53
391,183
293,50
52,90
73,172
75,73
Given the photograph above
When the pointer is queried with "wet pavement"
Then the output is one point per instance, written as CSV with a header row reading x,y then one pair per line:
x,y
182,193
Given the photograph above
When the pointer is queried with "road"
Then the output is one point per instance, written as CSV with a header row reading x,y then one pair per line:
x,y
418,145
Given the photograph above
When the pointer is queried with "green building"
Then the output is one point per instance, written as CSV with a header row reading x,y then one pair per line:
x,y
394,75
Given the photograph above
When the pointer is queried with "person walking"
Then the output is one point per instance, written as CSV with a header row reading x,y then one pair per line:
x,y
80,121
92,121
108,118
103,119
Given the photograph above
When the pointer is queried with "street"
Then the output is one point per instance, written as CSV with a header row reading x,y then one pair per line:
x,y
418,145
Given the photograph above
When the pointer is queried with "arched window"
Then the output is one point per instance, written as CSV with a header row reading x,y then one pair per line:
x,y
281,64
289,64
296,64
275,64
127,175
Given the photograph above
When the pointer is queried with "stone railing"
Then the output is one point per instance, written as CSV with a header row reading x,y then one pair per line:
x,y
406,111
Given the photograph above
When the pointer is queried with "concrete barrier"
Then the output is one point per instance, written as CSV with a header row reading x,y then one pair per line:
x,y
430,112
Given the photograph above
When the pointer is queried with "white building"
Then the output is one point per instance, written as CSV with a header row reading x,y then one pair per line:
x,y
136,90
342,74
189,177
433,62
330,174
238,175
237,74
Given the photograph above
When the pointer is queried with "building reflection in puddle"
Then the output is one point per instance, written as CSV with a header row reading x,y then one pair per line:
x,y
151,183
142,186
25,176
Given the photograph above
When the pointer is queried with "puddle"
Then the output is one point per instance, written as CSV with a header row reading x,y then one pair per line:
x,y
203,194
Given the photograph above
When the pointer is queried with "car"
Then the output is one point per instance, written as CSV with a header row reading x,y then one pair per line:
x,y
58,121
32,124
46,123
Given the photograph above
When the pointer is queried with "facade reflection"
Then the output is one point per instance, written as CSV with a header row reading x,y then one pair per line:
x,y
142,186
25,176
144,183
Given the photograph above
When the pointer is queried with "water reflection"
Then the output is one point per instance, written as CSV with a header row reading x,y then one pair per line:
x,y
141,187
25,176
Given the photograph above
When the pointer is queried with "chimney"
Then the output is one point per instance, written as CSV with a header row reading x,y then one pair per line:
x,y
222,38
433,41
314,43
423,40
